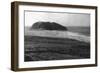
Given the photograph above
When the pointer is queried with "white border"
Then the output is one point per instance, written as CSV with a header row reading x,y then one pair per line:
x,y
23,64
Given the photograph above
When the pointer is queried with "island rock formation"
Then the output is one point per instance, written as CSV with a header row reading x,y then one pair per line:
x,y
48,26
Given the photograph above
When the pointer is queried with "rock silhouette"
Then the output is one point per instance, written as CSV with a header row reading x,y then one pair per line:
x,y
48,26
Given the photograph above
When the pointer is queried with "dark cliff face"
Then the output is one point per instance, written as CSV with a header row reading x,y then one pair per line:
x,y
48,26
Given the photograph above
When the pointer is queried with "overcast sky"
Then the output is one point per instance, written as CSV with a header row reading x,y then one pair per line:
x,y
65,19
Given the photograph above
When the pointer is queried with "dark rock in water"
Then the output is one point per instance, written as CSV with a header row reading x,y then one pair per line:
x,y
48,26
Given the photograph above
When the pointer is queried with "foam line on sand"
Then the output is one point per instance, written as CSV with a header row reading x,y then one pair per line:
x,y
58,34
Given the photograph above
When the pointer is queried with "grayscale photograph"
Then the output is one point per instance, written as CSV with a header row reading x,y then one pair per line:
x,y
56,36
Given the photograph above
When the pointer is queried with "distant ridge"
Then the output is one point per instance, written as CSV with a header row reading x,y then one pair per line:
x,y
48,26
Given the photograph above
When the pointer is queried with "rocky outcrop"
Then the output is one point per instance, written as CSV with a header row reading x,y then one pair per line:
x,y
48,26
